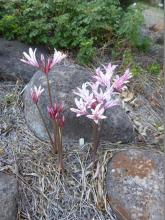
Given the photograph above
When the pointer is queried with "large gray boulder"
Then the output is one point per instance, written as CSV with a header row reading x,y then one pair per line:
x,y
135,184
8,197
11,68
64,78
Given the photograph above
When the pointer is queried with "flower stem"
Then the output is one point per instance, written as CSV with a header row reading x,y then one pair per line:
x,y
96,140
50,138
55,136
60,152
54,123
49,91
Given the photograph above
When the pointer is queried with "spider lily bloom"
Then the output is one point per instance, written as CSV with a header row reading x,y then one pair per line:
x,y
52,112
103,78
94,86
109,104
81,107
44,65
55,111
119,83
106,99
97,114
103,97
110,69
36,93
30,58
100,77
85,94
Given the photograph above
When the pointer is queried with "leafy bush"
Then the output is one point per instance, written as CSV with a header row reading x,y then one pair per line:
x,y
68,24
131,28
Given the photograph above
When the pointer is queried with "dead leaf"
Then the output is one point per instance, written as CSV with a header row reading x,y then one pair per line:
x,y
127,96
2,151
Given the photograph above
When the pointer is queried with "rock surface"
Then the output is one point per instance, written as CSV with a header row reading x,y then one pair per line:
x,y
11,68
135,184
64,78
8,197
153,16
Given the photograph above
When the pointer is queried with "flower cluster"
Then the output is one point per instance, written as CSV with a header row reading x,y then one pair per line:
x,y
44,65
56,114
97,96
92,101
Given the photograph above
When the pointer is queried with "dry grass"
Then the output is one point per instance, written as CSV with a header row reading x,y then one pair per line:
x,y
44,193
80,194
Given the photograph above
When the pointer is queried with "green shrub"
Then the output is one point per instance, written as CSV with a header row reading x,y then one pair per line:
x,y
131,28
70,24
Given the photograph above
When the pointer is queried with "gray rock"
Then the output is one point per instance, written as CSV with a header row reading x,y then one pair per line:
x,y
135,184
157,52
154,2
11,68
153,16
8,197
153,56
64,78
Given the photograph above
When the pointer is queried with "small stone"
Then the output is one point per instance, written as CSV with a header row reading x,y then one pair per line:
x,y
81,142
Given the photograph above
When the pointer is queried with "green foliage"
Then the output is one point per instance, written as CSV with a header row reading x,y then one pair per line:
x,y
128,61
136,69
9,27
131,28
154,68
68,24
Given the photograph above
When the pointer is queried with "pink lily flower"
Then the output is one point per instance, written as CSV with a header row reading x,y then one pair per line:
x,y
109,104
103,78
36,93
97,114
110,68
81,107
44,65
30,58
119,83
85,94
55,111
